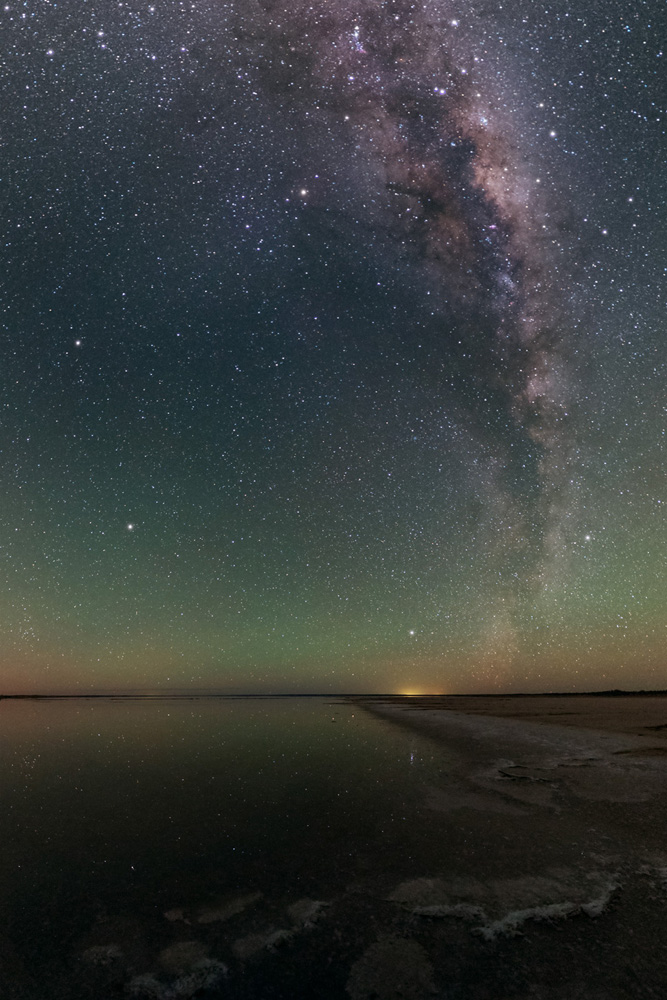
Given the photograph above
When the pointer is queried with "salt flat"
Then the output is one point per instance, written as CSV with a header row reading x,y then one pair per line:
x,y
555,812
638,714
301,848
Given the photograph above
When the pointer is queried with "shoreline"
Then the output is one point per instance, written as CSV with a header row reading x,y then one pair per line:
x,y
639,715
433,700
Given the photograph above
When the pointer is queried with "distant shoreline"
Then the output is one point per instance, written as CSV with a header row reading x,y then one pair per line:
x,y
640,714
432,700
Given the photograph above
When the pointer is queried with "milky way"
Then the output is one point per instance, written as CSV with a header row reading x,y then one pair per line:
x,y
466,212
353,312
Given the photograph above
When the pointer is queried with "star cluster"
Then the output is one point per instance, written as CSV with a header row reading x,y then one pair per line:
x,y
332,345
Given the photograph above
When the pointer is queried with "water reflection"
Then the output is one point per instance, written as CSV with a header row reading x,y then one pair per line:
x,y
119,812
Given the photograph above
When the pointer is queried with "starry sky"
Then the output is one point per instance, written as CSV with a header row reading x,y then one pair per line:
x,y
333,348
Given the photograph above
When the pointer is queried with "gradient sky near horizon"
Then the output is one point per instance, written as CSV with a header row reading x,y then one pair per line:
x,y
333,345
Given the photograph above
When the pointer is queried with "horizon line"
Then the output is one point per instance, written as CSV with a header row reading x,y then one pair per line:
x,y
183,694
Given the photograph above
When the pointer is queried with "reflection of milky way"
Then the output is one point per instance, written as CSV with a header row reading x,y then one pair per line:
x,y
462,205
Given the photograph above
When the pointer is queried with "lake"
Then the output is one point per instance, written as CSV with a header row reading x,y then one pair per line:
x,y
308,849
117,812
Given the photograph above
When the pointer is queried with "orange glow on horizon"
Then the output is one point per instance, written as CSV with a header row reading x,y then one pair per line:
x,y
414,693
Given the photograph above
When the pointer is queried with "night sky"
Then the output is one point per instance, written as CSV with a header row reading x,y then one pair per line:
x,y
333,351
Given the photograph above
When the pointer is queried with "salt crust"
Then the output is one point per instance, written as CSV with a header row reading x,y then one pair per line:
x,y
436,898
204,975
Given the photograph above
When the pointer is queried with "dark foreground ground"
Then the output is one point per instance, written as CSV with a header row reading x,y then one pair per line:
x,y
558,878
633,714
539,872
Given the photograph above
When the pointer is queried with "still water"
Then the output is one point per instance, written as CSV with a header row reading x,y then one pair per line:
x,y
137,827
